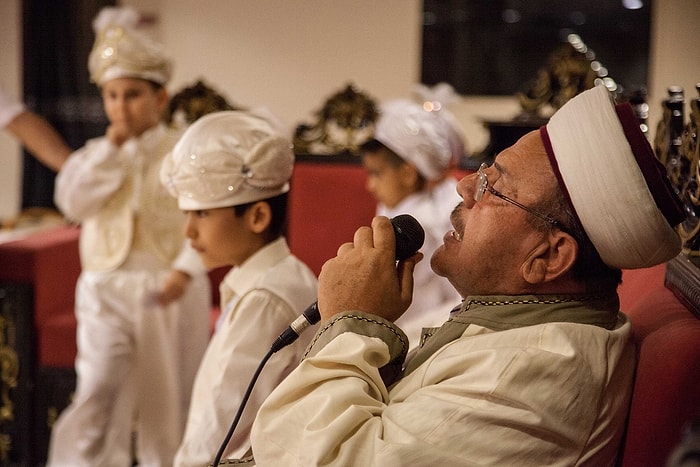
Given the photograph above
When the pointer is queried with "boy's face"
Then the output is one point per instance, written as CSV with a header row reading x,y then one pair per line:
x,y
133,105
220,237
388,182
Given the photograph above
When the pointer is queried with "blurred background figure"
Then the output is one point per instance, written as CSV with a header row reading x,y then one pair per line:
x,y
143,296
408,166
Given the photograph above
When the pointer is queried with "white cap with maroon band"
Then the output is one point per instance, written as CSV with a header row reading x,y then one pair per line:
x,y
616,185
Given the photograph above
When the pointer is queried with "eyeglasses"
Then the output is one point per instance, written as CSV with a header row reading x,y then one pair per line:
x,y
482,184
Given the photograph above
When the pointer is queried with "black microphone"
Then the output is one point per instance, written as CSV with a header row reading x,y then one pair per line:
x,y
409,238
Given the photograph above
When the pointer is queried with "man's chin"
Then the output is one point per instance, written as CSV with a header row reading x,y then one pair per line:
x,y
436,263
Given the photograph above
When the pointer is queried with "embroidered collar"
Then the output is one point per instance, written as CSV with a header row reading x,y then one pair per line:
x,y
513,311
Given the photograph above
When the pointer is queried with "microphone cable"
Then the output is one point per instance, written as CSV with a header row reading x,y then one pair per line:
x,y
310,317
241,407
409,238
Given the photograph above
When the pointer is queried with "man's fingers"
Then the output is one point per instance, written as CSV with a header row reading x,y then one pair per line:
x,y
384,237
363,237
405,272
344,248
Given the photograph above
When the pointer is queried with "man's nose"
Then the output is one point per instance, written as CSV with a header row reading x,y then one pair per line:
x,y
465,189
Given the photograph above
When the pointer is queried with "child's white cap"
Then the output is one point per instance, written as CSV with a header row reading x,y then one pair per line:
x,y
423,138
609,172
226,159
121,51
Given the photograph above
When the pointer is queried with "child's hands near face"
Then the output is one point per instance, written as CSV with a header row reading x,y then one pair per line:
x,y
173,288
118,133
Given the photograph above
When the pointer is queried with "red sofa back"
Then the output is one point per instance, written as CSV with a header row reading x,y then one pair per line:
x,y
327,203
666,395
48,260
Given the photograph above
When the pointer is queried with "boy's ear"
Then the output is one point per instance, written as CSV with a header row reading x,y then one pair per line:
x,y
409,175
259,217
163,98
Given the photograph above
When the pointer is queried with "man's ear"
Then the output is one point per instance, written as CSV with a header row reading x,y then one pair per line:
x,y
259,216
550,259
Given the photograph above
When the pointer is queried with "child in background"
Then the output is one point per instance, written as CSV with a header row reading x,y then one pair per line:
x,y
34,132
407,164
230,173
143,296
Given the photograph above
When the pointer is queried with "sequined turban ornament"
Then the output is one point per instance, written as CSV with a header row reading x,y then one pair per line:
x,y
226,159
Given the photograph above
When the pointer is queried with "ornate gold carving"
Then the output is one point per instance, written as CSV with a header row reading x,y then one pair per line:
x,y
570,70
345,121
51,416
676,146
192,102
5,446
689,179
9,371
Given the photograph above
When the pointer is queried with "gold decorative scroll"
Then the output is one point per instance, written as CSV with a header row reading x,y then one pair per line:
x,y
343,124
570,69
9,371
688,180
676,146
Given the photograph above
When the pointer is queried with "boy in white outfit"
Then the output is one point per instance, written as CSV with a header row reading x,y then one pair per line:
x,y
33,131
408,163
230,173
143,296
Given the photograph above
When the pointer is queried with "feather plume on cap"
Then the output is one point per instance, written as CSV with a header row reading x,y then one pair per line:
x,y
122,51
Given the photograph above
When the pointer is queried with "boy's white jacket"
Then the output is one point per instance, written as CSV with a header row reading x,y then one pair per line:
x,y
116,195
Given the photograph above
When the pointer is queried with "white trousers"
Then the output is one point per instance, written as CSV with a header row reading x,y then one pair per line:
x,y
135,367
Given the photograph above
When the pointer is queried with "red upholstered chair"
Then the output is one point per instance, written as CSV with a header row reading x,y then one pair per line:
x,y
49,261
666,395
327,203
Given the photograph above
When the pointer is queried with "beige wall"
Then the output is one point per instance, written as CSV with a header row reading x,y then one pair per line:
x,y
289,55
10,81
675,51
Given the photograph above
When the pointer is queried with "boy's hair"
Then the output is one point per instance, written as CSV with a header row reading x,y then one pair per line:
x,y
156,86
278,221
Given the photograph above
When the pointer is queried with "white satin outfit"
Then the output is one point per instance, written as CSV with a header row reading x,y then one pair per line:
x,y
136,360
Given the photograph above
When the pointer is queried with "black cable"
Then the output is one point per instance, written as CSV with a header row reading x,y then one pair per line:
x,y
241,407
409,238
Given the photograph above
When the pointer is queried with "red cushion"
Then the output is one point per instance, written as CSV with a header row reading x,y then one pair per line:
x,y
327,203
666,395
48,260
56,345
638,283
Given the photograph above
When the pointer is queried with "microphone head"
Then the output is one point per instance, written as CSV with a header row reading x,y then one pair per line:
x,y
409,236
